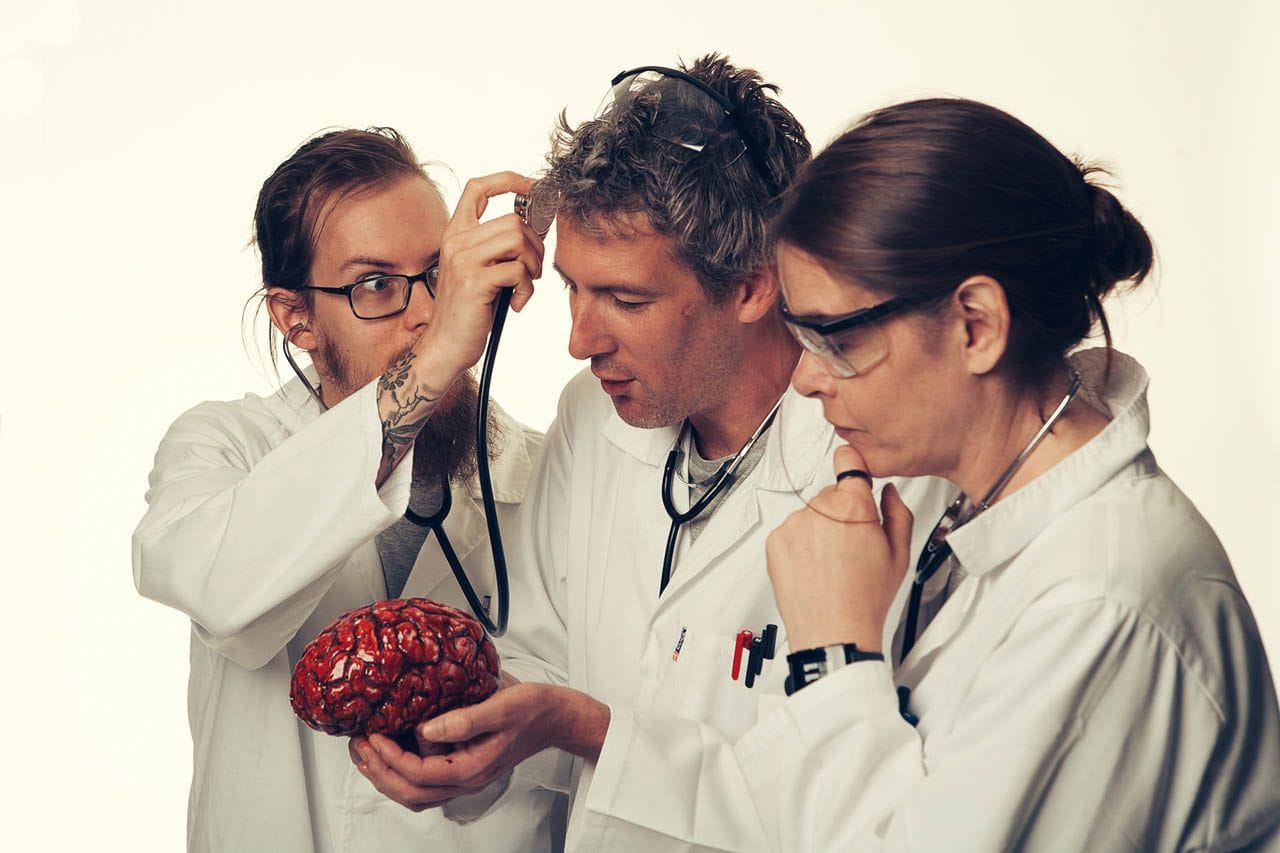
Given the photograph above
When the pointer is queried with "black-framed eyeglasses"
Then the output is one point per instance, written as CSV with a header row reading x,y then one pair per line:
x,y
851,344
376,297
688,119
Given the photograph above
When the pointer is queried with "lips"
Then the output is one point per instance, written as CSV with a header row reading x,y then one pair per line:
x,y
614,387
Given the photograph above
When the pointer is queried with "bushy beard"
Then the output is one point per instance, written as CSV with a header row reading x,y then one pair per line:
x,y
446,446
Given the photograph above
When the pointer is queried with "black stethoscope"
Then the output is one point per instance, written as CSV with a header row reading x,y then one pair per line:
x,y
937,551
435,522
723,480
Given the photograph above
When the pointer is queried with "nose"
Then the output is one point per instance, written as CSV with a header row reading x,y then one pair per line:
x,y
811,378
417,314
587,336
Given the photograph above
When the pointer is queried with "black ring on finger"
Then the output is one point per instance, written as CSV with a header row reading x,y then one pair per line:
x,y
854,472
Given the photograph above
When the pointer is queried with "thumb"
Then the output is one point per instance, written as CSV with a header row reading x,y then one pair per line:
x,y
898,521
451,727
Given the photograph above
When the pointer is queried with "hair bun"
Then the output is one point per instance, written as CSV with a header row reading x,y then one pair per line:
x,y
1122,249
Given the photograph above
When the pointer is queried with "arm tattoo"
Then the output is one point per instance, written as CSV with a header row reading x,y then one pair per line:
x,y
407,408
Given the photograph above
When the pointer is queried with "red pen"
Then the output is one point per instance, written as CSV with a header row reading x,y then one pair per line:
x,y
742,641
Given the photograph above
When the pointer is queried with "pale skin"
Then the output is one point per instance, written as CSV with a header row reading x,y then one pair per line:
x,y
642,319
940,403
415,355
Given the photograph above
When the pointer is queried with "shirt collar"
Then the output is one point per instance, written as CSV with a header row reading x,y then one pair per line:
x,y
998,534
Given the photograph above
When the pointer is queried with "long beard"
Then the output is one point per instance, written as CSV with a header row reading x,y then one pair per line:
x,y
446,446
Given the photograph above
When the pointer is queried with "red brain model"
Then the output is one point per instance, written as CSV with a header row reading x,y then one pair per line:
x,y
390,665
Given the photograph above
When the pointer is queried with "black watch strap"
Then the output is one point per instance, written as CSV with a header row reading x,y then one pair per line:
x,y
809,665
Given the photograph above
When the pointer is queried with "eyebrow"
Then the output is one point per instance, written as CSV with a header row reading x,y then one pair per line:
x,y
627,289
366,261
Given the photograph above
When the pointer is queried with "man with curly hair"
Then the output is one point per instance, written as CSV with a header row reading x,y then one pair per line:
x,y
631,649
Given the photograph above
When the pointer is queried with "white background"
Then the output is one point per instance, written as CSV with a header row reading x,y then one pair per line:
x,y
134,136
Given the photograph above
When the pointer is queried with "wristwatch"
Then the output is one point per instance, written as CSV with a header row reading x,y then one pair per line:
x,y
811,664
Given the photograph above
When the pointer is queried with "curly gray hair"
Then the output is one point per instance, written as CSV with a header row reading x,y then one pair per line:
x,y
715,204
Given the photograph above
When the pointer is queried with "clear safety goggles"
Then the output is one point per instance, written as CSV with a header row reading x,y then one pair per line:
x,y
848,345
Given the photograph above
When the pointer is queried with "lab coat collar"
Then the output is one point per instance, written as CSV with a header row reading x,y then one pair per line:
x,y
798,428
1000,533
293,404
511,471
648,445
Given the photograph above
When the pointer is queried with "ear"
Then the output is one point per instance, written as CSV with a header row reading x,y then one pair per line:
x,y
985,312
287,310
755,298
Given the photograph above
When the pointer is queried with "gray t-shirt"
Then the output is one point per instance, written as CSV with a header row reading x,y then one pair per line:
x,y
399,544
702,476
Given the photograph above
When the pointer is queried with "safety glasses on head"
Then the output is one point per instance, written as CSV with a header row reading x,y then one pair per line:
x,y
687,113
850,344
377,296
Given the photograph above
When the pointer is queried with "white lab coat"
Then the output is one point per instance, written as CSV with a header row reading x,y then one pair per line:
x,y
1095,683
260,528
595,527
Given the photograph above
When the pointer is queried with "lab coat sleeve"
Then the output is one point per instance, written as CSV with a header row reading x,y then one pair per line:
x,y
535,647
1078,716
247,547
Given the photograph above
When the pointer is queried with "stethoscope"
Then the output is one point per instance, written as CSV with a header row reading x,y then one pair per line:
x,y
936,551
723,480
435,521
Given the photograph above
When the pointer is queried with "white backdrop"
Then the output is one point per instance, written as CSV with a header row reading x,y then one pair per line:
x,y
134,136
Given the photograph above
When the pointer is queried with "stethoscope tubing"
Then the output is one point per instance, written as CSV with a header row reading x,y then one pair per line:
x,y
679,519
435,522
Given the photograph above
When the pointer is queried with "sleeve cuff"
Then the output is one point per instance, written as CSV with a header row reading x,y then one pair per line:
x,y
814,715
609,767
361,408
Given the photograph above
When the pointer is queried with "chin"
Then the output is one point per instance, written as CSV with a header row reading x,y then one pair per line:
x,y
636,413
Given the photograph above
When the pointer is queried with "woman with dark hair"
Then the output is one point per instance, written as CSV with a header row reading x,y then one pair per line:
x,y
1070,664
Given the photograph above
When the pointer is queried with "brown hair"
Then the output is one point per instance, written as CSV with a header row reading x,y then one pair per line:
x,y
331,165
917,197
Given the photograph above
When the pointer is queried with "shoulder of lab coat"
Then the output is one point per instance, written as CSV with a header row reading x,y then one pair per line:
x,y
1104,680
254,506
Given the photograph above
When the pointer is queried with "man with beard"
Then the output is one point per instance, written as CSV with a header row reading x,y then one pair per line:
x,y
270,516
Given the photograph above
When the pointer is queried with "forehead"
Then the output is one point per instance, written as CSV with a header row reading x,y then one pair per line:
x,y
811,291
628,253
404,217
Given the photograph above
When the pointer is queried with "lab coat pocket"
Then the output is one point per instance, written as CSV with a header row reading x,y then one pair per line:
x,y
698,683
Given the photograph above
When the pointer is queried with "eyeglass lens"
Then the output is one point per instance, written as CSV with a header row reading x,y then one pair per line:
x,y
379,297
